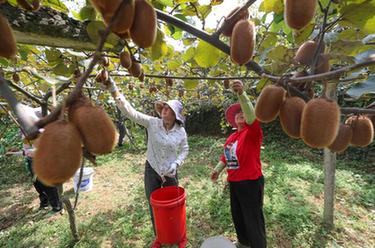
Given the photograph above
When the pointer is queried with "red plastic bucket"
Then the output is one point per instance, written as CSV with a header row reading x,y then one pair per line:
x,y
169,208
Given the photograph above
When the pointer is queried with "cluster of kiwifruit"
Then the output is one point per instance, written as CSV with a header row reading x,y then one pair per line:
x,y
136,20
134,68
242,36
317,122
59,150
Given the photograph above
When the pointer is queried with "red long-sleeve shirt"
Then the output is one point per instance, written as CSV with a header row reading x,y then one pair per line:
x,y
242,153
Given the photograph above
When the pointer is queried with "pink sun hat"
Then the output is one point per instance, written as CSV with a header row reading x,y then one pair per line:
x,y
231,112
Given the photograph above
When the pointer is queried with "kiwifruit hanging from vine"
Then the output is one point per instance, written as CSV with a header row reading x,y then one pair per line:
x,y
125,19
130,86
142,76
320,122
152,89
143,30
59,153
242,42
104,76
363,130
123,35
228,28
8,47
104,61
135,69
125,60
342,140
95,126
290,116
305,53
269,102
226,84
299,13
169,82
322,66
16,77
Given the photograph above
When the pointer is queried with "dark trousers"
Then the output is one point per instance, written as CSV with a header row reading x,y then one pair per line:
x,y
46,194
153,182
246,201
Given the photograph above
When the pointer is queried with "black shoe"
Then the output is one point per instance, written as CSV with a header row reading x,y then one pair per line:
x,y
43,206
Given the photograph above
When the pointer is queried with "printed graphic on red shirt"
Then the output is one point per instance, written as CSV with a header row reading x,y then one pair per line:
x,y
231,156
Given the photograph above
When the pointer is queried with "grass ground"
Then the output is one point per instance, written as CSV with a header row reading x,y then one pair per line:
x,y
115,213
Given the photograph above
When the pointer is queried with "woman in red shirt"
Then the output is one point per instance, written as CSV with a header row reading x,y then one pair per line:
x,y
241,158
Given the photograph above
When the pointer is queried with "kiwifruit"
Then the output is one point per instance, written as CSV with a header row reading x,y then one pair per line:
x,y
152,89
305,53
135,69
342,140
290,116
226,84
363,130
105,61
29,5
320,122
16,77
95,126
298,13
59,153
142,76
372,118
143,30
104,76
269,102
243,15
242,42
131,86
181,93
124,35
98,77
322,64
8,47
125,59
141,86
125,19
169,82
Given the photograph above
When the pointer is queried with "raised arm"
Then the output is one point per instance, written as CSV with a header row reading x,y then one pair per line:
x,y
126,108
246,105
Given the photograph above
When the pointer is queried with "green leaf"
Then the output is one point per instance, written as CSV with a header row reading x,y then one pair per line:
x,y
276,6
185,1
191,84
167,3
173,65
62,70
189,54
4,62
360,89
204,11
159,48
261,84
93,32
207,55
302,35
278,53
360,15
87,13
56,4
53,56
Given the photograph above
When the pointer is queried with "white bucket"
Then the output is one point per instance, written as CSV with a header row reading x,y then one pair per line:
x,y
87,179
217,242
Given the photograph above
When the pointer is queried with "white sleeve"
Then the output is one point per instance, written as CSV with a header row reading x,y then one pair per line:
x,y
183,150
134,115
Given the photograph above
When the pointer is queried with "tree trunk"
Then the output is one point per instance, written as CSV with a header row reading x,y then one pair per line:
x,y
329,173
329,188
